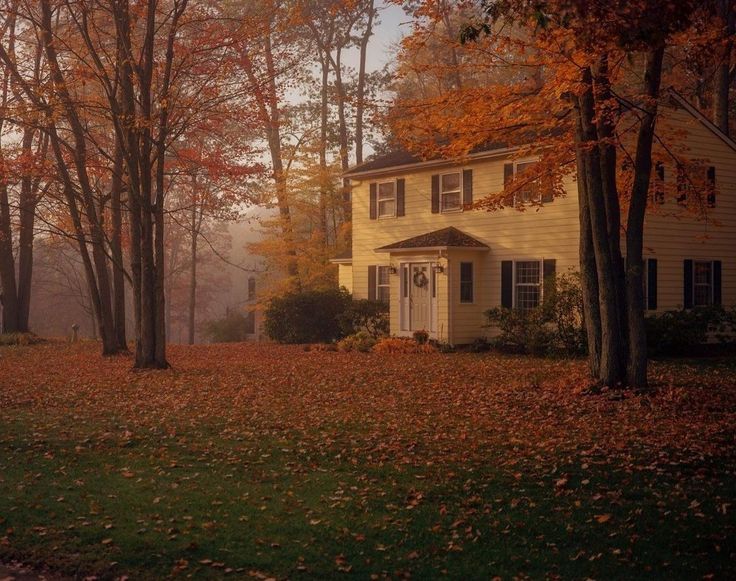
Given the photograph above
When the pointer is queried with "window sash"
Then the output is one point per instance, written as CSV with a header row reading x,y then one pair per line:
x,y
703,284
386,199
527,284
532,191
451,197
466,282
383,284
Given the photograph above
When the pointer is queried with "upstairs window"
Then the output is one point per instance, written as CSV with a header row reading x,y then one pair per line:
x,y
451,197
386,199
529,192
383,284
697,183
527,285
658,190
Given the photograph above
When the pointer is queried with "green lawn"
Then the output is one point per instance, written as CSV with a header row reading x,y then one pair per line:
x,y
275,462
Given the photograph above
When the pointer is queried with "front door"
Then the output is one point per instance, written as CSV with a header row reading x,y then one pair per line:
x,y
420,297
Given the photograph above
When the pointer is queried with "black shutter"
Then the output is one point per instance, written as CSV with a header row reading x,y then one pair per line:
x,y
508,176
467,187
651,284
717,287
507,283
549,271
687,281
711,187
547,185
374,201
372,283
435,194
659,183
400,187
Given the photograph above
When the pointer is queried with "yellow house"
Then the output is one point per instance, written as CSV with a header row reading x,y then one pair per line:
x,y
440,265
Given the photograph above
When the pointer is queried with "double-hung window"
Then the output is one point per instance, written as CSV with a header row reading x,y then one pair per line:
x,y
386,199
383,284
527,284
466,282
451,197
529,192
702,283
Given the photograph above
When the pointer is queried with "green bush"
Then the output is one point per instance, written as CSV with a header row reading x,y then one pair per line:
x,y
308,316
521,331
361,341
12,339
365,315
230,329
556,326
682,332
421,336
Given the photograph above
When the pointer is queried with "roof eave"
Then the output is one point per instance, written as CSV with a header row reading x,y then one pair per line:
x,y
429,249
341,260
491,153
702,118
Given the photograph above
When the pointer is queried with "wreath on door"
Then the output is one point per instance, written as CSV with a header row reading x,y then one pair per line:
x,y
420,279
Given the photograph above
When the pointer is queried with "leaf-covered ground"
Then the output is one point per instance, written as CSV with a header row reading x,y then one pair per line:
x,y
271,461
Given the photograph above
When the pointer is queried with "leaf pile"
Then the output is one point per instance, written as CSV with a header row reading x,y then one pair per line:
x,y
274,461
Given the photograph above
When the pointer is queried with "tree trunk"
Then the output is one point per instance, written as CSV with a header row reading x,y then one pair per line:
x,y
360,93
323,178
588,272
9,294
343,134
116,248
27,206
637,361
606,118
102,292
611,371
193,276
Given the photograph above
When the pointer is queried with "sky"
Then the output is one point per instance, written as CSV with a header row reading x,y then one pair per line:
x,y
394,24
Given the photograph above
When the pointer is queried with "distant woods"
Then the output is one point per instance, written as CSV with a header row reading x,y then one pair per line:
x,y
131,133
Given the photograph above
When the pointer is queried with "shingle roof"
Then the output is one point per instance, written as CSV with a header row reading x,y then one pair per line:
x,y
401,157
446,238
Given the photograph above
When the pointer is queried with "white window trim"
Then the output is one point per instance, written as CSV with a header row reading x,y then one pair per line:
x,y
711,283
523,161
540,284
444,210
379,200
379,285
460,282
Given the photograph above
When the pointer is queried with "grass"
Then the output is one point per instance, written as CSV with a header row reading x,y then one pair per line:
x,y
269,461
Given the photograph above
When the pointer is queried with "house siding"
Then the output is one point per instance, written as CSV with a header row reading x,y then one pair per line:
x,y
345,276
672,235
551,231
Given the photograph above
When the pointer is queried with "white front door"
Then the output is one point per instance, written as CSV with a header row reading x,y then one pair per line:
x,y
420,296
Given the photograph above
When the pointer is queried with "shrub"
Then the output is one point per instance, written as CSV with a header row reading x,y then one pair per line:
x,y
421,336
391,345
12,339
681,332
480,345
361,341
364,315
307,316
230,329
521,331
556,326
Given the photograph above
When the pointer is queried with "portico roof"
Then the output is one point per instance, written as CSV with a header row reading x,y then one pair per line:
x,y
443,239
